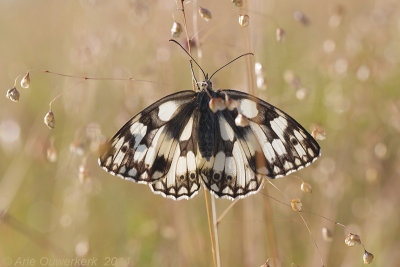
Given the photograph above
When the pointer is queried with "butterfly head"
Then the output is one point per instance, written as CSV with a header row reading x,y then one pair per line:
x,y
206,85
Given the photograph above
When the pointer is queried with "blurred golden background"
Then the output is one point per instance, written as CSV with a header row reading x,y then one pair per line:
x,y
336,66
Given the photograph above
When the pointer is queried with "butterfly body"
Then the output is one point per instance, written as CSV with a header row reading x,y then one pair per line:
x,y
181,142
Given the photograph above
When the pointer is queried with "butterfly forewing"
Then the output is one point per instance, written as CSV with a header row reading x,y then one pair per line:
x,y
143,149
285,144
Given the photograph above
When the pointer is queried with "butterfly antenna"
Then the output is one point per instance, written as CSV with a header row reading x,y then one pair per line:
x,y
194,76
230,63
172,40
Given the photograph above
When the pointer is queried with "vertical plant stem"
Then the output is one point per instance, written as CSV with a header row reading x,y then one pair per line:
x,y
270,230
273,252
215,224
185,25
212,225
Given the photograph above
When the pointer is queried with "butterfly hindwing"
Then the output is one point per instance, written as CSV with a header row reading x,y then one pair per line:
x,y
230,173
182,181
143,149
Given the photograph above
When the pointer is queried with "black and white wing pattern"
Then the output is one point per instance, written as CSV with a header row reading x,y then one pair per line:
x,y
157,147
178,143
272,145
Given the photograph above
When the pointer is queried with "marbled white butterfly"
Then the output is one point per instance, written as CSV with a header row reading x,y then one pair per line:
x,y
229,144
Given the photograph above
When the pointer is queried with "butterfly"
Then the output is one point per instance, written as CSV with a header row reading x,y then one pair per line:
x,y
227,140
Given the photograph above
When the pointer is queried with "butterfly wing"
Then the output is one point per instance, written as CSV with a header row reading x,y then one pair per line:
x,y
272,145
182,181
146,147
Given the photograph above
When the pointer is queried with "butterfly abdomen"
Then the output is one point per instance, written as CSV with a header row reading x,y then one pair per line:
x,y
206,127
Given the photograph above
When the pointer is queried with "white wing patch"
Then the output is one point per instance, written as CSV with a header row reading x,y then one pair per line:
x,y
167,109
181,181
248,108
187,131
225,129
240,168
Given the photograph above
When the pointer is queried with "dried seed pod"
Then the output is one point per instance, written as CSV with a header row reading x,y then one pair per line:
x,y
296,204
368,257
327,234
318,132
292,79
352,240
260,76
266,264
176,29
51,153
329,46
49,119
238,3
336,18
301,17
260,81
205,13
363,73
82,248
280,34
301,93
244,20
241,120
306,187
13,94
216,104
258,68
26,81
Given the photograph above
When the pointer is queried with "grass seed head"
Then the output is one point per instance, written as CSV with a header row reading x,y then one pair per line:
x,y
49,119
301,93
306,187
352,240
13,94
26,81
368,257
296,205
51,153
258,68
176,29
244,20
301,17
260,76
205,13
260,80
83,173
336,18
280,34
318,132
